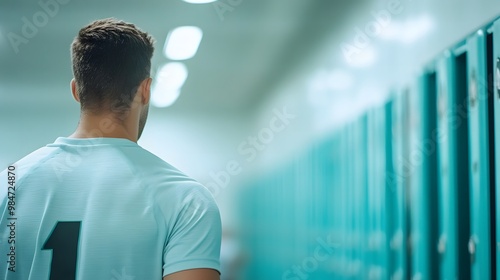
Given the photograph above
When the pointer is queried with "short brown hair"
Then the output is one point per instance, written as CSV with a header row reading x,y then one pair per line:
x,y
110,59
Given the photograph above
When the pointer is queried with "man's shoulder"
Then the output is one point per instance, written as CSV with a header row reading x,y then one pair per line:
x,y
147,162
164,182
30,161
156,171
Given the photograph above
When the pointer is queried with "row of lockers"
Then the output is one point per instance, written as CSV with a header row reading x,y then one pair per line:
x,y
410,190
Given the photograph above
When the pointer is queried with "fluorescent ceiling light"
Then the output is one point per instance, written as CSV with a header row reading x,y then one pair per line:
x,y
199,1
410,30
182,42
169,80
327,83
339,80
172,75
162,99
363,58
328,86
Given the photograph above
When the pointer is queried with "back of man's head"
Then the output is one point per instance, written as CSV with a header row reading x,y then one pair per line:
x,y
110,60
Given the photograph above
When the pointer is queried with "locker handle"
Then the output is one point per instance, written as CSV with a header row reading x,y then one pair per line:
x,y
498,77
441,102
472,248
473,89
442,244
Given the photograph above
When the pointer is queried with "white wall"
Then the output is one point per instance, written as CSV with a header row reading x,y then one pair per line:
x,y
312,90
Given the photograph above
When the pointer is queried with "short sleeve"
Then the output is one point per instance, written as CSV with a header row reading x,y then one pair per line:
x,y
195,239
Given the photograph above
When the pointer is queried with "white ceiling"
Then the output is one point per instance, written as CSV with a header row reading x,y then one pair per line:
x,y
243,54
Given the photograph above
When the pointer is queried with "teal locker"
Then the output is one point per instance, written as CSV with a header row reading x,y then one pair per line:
x,y
397,182
355,190
355,205
453,186
423,158
376,195
360,260
429,186
344,202
407,182
391,211
367,257
345,196
447,243
479,242
370,170
380,235
453,167
496,103
413,161
339,199
334,201
460,154
352,263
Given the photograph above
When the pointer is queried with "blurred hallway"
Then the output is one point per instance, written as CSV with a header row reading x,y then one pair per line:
x,y
280,112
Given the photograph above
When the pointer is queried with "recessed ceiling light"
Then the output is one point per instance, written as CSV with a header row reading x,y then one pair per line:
x,y
363,58
168,83
199,1
162,99
183,42
172,75
409,31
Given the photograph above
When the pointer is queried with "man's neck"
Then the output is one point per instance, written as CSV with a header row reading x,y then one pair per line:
x,y
93,126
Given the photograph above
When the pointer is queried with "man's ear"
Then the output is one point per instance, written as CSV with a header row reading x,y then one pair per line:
x,y
74,91
146,90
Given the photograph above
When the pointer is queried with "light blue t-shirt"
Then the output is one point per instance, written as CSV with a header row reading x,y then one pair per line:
x,y
103,209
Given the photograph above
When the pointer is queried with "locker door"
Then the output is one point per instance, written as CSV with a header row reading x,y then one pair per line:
x,y
413,161
370,186
396,181
479,242
349,199
460,154
447,173
430,171
390,184
376,192
407,183
453,166
424,188
381,232
343,202
496,105
362,260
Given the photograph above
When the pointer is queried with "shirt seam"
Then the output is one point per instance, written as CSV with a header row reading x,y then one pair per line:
x,y
32,169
